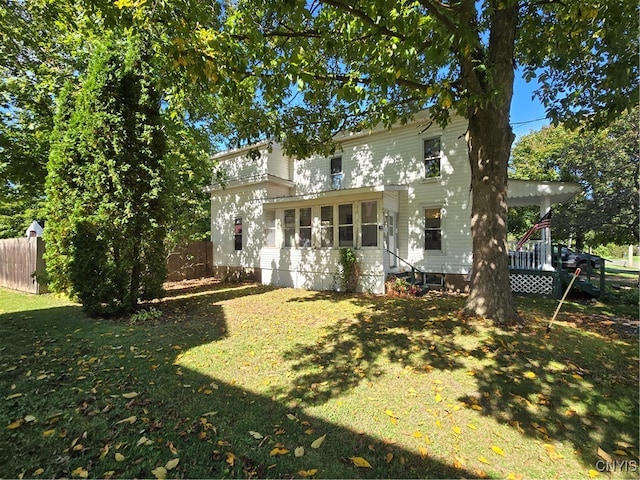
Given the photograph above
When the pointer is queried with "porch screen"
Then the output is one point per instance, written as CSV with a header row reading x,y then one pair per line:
x,y
345,225
370,224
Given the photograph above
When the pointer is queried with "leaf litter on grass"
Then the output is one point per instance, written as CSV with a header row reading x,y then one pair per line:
x,y
511,398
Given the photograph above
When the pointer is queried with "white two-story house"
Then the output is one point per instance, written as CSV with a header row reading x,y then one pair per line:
x,y
399,198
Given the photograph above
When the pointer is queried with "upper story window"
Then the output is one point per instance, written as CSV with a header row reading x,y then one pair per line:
x,y
270,228
345,225
337,175
304,233
432,229
237,233
369,224
289,227
432,156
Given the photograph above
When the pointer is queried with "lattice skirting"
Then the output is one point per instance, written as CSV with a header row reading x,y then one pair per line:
x,y
529,284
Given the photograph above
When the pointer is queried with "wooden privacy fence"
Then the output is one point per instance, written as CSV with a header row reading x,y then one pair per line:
x,y
20,258
193,260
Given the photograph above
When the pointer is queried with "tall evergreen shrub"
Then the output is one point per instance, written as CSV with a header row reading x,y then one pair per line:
x,y
106,195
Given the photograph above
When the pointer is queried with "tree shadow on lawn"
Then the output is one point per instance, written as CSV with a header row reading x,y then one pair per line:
x,y
572,386
112,400
355,350
568,386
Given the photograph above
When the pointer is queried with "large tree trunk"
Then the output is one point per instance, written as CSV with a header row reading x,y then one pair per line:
x,y
489,138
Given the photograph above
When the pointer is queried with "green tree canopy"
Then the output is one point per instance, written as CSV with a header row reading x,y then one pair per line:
x,y
606,162
299,71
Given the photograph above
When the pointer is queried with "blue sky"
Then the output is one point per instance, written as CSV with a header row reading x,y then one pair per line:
x,y
526,109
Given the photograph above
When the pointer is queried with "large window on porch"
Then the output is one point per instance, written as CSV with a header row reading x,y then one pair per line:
x,y
369,225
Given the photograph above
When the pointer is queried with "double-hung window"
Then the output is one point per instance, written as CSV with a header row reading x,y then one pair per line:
x,y
326,226
337,174
304,232
345,225
237,233
270,228
432,156
289,227
432,229
369,224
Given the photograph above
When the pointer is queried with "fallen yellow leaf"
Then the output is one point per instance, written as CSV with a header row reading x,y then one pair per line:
x,y
360,462
129,420
388,457
255,435
130,395
171,464
231,458
390,413
38,471
308,473
48,433
529,374
318,441
299,452
483,460
620,452
119,457
160,473
593,473
144,441
29,418
278,451
497,450
424,453
457,430
604,455
80,472
417,435
16,424
438,397
14,395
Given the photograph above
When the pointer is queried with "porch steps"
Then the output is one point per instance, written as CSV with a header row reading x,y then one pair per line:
x,y
583,284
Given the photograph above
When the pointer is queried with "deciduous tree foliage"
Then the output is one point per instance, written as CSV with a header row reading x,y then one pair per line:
x,y
105,184
605,162
299,71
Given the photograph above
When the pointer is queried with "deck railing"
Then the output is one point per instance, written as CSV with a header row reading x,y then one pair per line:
x,y
534,255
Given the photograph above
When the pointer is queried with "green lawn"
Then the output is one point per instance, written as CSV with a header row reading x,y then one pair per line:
x,y
244,381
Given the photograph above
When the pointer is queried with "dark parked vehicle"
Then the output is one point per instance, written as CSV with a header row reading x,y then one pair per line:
x,y
572,259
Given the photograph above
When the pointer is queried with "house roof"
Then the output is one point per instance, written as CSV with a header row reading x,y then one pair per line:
x,y
522,193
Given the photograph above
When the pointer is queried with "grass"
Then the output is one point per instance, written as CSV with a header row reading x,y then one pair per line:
x,y
231,380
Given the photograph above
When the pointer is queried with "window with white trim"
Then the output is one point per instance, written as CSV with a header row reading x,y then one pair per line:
x,y
345,225
337,174
289,227
270,228
432,229
326,226
304,232
237,233
432,156
369,223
